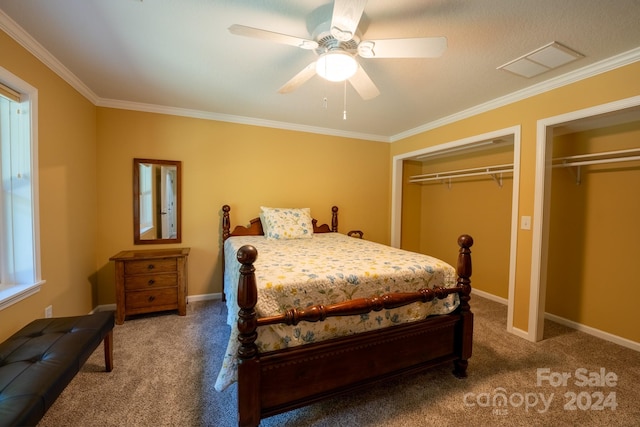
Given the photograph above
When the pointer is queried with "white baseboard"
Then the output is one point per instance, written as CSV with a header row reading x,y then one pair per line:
x,y
593,331
204,297
104,307
575,325
561,320
519,333
488,296
190,298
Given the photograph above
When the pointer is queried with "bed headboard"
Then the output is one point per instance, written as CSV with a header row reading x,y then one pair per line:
x,y
255,225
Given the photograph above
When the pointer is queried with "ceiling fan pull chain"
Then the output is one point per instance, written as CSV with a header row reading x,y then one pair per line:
x,y
344,110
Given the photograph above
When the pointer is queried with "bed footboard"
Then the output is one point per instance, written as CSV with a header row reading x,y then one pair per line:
x,y
278,381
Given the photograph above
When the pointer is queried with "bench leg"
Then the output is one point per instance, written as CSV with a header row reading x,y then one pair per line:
x,y
108,351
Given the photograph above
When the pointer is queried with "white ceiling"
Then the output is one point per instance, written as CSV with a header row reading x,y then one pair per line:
x,y
178,56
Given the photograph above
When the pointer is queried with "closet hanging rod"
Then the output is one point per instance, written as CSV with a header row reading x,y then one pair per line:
x,y
446,174
597,161
618,153
443,177
462,173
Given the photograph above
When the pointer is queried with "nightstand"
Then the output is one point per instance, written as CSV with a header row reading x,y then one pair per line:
x,y
150,280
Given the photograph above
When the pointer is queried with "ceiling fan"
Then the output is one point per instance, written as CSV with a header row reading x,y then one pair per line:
x,y
337,43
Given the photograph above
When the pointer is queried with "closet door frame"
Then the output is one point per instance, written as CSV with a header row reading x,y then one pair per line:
x,y
541,208
470,142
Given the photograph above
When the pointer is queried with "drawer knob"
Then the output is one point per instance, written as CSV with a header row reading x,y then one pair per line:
x,y
151,267
151,282
151,298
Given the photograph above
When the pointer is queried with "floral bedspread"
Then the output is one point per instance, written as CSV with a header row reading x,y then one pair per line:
x,y
326,269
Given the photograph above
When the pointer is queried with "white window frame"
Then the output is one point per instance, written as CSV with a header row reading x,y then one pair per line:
x,y
15,289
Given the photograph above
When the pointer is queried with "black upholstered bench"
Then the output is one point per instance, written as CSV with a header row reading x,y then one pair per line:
x,y
39,361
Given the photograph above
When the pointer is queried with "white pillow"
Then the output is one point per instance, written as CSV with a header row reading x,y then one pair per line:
x,y
286,223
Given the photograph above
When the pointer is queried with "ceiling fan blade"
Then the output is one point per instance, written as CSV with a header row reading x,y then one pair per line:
x,y
427,47
363,84
346,17
256,33
300,78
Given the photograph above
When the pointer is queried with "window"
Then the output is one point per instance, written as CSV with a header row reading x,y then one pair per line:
x,y
19,234
146,197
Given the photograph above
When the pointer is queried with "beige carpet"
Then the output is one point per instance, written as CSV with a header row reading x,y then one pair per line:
x,y
166,365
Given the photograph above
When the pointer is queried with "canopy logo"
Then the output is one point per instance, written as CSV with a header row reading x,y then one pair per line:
x,y
592,396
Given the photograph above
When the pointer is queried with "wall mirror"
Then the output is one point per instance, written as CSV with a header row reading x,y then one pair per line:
x,y
156,201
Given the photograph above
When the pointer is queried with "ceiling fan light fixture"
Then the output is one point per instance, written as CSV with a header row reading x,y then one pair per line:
x,y
336,66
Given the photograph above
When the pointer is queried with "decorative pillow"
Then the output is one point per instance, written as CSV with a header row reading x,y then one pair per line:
x,y
285,223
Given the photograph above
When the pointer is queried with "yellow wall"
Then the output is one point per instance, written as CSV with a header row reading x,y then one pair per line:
x,y
593,231
243,166
607,87
68,200
411,208
442,215
86,161
86,172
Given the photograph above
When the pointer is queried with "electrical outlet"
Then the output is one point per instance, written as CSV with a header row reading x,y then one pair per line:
x,y
48,312
525,223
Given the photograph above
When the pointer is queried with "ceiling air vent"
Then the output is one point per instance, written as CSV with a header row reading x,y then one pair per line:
x,y
546,58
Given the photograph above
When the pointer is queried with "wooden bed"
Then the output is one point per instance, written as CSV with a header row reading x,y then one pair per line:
x,y
277,381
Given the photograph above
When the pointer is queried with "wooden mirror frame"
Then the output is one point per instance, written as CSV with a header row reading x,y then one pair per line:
x,y
137,238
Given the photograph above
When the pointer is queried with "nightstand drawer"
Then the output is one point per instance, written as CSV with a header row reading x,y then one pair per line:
x,y
153,298
150,281
160,265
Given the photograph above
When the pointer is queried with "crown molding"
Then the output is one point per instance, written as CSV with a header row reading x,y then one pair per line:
x,y
198,114
23,38
600,67
30,44
17,33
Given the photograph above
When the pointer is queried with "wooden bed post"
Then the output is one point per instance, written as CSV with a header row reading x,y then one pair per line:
x,y
466,327
334,219
283,380
226,222
226,233
248,364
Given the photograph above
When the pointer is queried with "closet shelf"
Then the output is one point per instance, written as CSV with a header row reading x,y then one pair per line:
x,y
604,157
495,172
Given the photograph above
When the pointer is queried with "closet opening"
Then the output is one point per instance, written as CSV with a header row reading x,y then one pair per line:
x,y
587,183
466,186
